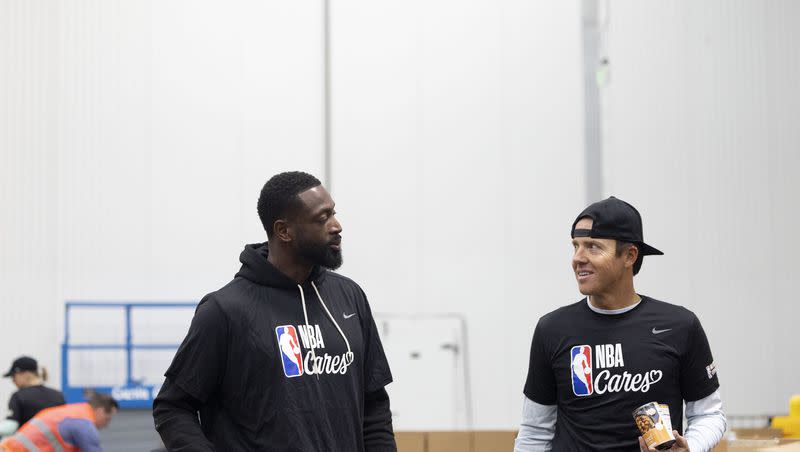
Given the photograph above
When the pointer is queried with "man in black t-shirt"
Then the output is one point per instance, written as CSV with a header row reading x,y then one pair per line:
x,y
595,361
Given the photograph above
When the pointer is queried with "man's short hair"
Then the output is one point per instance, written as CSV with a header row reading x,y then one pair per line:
x,y
104,401
279,196
622,247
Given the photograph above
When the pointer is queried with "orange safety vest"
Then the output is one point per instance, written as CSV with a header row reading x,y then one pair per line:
x,y
40,434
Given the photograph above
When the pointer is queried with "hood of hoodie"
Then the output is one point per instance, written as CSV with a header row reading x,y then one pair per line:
x,y
256,268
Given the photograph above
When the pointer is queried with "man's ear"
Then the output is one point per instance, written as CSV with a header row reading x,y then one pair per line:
x,y
282,231
631,254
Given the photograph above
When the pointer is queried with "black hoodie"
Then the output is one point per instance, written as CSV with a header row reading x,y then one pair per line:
x,y
271,365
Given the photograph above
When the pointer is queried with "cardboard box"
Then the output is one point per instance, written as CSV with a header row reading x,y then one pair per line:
x,y
750,440
761,440
493,441
463,441
410,441
758,433
449,442
759,445
786,445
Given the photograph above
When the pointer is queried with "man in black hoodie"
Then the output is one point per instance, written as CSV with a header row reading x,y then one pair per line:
x,y
286,357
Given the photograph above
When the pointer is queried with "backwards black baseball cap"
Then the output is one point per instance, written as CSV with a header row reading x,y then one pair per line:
x,y
614,218
22,364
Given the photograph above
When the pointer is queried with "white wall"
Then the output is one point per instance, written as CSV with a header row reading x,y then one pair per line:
x,y
163,120
457,169
135,139
701,133
28,187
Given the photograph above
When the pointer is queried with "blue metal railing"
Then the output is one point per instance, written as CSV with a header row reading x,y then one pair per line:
x,y
131,393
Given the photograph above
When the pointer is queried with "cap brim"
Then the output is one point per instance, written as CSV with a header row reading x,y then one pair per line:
x,y
8,374
647,250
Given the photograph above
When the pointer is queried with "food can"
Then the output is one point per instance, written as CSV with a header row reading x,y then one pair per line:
x,y
655,425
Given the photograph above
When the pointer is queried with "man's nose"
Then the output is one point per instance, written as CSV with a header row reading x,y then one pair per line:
x,y
336,227
579,257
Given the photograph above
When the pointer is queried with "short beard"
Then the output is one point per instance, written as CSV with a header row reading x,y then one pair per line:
x,y
320,254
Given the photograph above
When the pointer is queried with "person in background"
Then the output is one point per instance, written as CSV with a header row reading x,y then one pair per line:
x,y
32,396
69,428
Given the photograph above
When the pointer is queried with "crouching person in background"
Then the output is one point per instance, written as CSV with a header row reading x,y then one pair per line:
x,y
69,428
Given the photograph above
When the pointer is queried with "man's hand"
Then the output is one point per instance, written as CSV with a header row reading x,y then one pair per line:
x,y
680,444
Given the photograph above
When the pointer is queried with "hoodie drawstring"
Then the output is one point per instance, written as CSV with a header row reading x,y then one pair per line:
x,y
349,357
305,316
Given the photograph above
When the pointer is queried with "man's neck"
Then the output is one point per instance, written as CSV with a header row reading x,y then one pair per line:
x,y
620,299
288,264
33,381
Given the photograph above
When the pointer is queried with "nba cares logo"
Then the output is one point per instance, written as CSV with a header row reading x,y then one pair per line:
x,y
290,350
581,366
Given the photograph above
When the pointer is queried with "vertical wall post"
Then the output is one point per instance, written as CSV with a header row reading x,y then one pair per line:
x,y
326,95
128,348
595,69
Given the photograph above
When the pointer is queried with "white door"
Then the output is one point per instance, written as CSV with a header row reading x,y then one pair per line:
x,y
428,358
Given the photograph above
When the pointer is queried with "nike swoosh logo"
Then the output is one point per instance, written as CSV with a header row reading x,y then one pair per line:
x,y
347,316
655,331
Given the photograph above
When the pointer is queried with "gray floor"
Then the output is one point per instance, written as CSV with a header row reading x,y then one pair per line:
x,y
130,431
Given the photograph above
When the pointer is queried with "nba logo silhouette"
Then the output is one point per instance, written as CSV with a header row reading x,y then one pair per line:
x,y
581,365
290,351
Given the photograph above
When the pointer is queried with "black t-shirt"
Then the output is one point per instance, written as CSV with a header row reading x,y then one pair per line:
x,y
268,381
25,403
597,368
